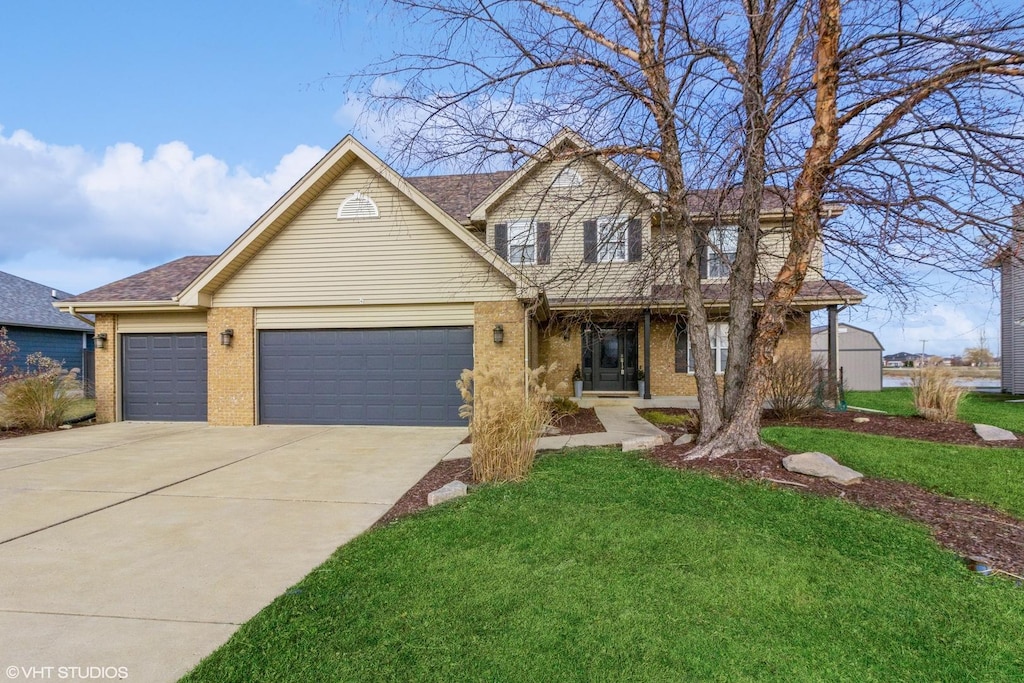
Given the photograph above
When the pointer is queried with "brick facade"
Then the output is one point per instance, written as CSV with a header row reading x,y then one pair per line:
x,y
106,369
662,375
231,374
563,353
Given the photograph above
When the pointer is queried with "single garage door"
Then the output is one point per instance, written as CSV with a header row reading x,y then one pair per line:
x,y
402,376
164,377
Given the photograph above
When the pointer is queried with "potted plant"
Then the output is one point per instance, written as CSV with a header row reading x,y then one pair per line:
x,y
640,384
577,382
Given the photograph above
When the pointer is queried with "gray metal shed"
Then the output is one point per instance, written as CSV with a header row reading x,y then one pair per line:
x,y
860,355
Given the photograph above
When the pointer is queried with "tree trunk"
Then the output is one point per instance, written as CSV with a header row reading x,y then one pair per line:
x,y
743,427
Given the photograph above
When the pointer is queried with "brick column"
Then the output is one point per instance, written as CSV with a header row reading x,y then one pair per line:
x,y
507,358
106,369
231,370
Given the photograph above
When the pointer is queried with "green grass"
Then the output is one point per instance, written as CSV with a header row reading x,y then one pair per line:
x,y
975,407
604,567
81,408
994,476
656,417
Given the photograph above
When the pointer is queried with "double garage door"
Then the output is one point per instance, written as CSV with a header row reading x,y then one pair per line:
x,y
400,376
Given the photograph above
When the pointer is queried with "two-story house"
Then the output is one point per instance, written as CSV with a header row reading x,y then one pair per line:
x,y
360,295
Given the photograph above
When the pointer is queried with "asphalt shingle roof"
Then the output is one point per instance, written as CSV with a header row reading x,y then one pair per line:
x,y
162,283
30,304
458,195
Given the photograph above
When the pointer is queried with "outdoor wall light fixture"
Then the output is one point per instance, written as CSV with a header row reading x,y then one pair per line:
x,y
225,337
101,340
499,334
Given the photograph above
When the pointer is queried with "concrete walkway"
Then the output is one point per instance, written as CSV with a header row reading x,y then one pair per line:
x,y
619,418
146,545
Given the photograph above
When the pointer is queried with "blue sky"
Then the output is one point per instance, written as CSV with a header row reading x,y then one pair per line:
x,y
133,133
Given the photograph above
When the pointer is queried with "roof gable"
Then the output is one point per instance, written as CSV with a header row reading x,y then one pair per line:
x,y
550,152
304,192
25,303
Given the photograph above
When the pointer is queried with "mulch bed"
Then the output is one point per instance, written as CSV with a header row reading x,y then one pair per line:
x,y
583,421
969,529
957,433
415,499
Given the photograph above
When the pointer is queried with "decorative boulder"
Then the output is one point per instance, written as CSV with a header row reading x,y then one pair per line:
x,y
454,489
990,433
820,465
683,440
861,420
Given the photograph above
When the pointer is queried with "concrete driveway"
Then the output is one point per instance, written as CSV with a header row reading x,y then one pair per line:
x,y
145,545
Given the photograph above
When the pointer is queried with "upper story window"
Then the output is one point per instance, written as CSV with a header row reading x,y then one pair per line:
x,y
522,242
721,250
719,333
358,205
569,177
611,238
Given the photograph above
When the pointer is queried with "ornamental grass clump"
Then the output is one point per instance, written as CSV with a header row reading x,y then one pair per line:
x,y
41,398
936,397
503,422
793,385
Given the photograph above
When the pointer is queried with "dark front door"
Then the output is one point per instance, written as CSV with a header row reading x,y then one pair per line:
x,y
610,358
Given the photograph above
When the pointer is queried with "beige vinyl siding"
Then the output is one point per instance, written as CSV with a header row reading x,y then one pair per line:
x,y
566,208
364,316
186,321
774,247
404,256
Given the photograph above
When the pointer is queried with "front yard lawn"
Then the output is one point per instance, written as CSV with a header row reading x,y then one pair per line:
x,y
985,408
604,566
993,476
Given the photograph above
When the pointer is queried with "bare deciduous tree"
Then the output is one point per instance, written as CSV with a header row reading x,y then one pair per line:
x,y
907,112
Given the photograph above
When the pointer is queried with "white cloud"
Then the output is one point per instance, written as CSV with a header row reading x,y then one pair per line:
x,y
947,328
61,204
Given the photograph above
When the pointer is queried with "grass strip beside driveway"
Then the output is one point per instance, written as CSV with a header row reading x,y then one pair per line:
x,y
604,566
992,476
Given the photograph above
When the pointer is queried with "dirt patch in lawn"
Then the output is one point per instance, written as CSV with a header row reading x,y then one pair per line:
x,y
965,528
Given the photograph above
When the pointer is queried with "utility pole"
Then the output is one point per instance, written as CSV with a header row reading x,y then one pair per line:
x,y
923,342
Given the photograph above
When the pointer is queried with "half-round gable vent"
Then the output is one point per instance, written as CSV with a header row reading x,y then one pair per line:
x,y
358,206
568,178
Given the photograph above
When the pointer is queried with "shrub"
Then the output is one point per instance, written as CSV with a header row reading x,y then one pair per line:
x,y
503,423
7,351
936,397
42,397
792,385
560,405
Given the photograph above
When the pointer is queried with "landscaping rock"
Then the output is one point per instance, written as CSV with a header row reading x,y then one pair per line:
x,y
683,440
820,465
454,489
990,433
552,431
862,420
641,443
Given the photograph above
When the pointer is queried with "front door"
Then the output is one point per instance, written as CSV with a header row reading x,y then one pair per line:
x,y
610,358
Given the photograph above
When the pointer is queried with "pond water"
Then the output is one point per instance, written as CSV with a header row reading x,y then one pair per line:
x,y
972,383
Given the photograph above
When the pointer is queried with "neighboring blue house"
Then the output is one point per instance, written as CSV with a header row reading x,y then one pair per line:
x,y
27,312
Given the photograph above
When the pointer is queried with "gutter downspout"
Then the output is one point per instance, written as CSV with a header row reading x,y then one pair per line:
x,y
90,323
526,353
